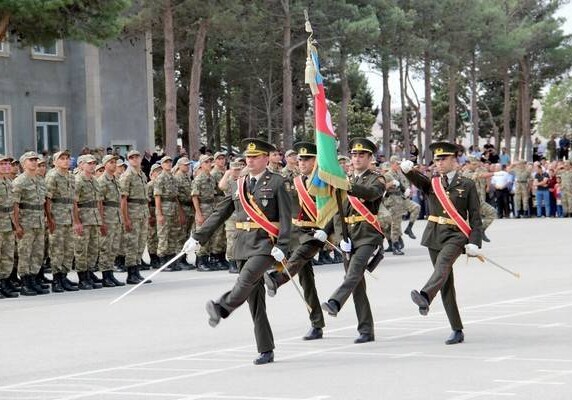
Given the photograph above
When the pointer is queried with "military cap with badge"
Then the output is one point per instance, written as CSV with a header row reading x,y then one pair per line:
x,y
305,149
256,147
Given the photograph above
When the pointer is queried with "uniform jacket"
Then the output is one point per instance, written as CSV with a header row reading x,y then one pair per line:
x,y
60,189
133,184
463,194
271,196
30,194
369,188
109,188
87,195
6,205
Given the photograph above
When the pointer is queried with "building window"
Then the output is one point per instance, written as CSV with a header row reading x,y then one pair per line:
x,y
3,129
4,49
49,128
52,51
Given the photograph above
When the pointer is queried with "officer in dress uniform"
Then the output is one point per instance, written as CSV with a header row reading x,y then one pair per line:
x,y
364,239
263,210
308,240
443,235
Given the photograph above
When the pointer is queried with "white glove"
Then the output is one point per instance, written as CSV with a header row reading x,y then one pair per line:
x,y
346,246
407,192
396,183
321,235
406,165
191,245
277,254
472,250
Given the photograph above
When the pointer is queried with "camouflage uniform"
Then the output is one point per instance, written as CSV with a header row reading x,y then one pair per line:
x,y
204,187
566,188
86,246
152,232
166,188
7,242
395,203
28,192
109,244
230,224
488,212
521,189
219,238
60,190
133,185
184,185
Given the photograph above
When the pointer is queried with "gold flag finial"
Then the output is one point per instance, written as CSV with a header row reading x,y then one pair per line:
x,y
311,69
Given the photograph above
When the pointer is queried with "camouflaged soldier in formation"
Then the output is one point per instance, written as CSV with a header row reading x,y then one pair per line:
x,y
394,201
88,218
184,185
522,187
135,215
120,259
218,257
109,242
152,240
566,188
167,214
41,174
479,175
204,192
29,198
60,185
228,185
7,241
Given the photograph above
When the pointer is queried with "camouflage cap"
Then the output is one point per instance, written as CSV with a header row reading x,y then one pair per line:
x,y
183,161
99,166
29,155
155,167
41,160
108,158
219,154
343,158
290,152
205,158
86,158
6,158
120,162
165,159
384,165
236,165
61,153
393,159
132,153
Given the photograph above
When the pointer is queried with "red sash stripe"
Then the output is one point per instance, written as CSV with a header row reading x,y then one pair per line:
x,y
448,206
259,218
364,212
306,200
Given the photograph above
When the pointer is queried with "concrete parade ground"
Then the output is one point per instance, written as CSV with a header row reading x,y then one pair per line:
x,y
156,343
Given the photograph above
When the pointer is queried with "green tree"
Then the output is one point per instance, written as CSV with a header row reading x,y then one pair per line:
x,y
33,21
557,109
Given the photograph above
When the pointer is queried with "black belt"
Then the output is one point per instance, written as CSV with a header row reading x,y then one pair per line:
x,y
110,203
62,200
186,203
206,201
137,201
87,204
7,209
28,206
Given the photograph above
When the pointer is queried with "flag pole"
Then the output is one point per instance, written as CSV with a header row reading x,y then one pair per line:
x,y
345,235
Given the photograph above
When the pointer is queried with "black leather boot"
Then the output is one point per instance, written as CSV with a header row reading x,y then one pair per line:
x,y
138,274
26,288
106,281
68,285
202,264
409,231
327,258
224,265
57,283
113,279
131,278
94,280
396,250
40,288
6,289
84,282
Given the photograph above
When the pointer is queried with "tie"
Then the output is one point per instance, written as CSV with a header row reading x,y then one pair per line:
x,y
445,181
251,185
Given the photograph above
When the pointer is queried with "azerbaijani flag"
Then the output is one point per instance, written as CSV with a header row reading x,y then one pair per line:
x,y
328,175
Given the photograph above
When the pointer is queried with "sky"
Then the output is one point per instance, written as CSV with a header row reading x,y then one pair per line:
x,y
376,85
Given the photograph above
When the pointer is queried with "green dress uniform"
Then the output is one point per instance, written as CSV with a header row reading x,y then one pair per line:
x,y
303,248
368,187
443,238
253,244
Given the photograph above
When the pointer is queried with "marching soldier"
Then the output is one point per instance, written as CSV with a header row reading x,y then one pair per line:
x,y
308,240
29,199
184,185
152,240
88,216
168,213
264,225
135,215
60,185
109,242
522,185
365,236
228,185
453,200
7,240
